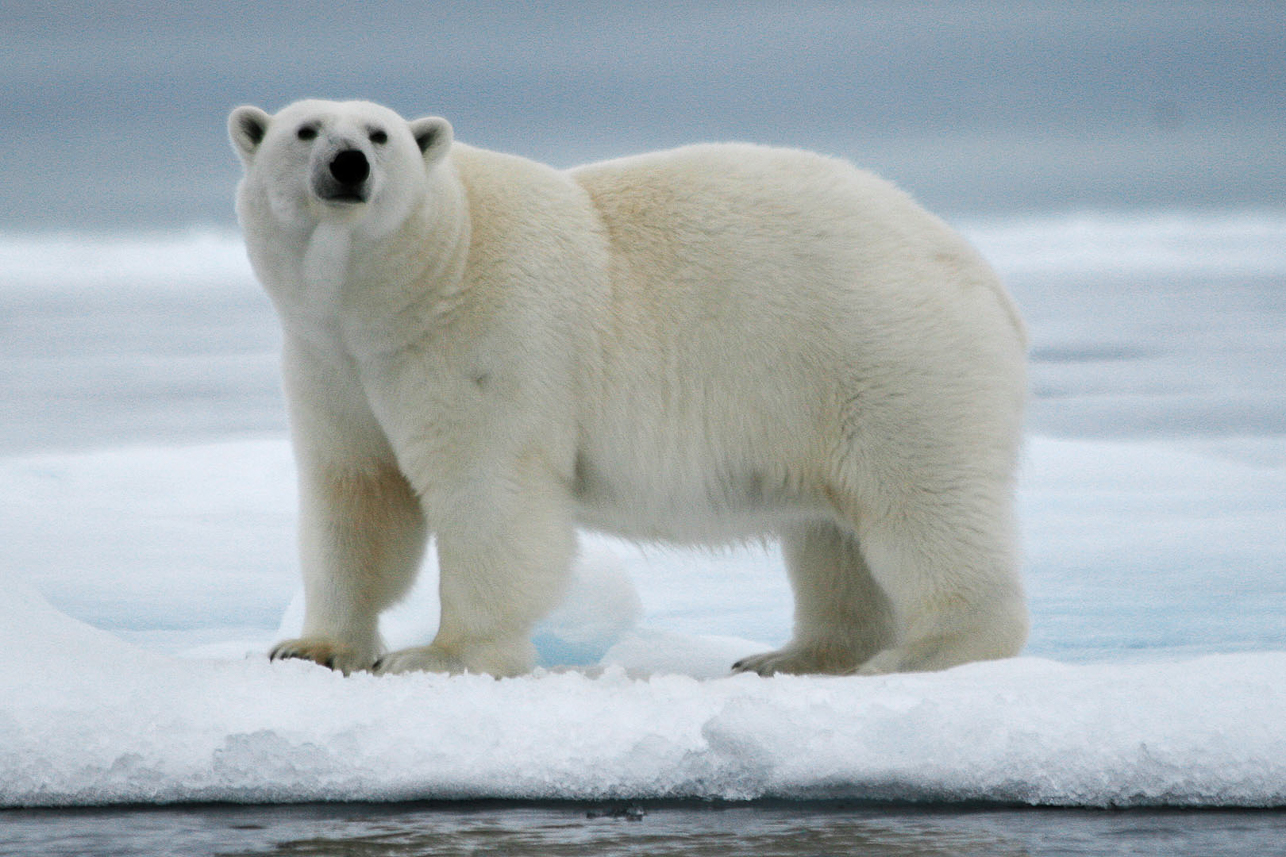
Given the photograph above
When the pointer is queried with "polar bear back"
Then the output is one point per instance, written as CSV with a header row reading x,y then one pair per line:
x,y
786,245
761,299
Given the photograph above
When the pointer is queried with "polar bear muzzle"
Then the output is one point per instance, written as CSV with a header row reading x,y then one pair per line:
x,y
344,179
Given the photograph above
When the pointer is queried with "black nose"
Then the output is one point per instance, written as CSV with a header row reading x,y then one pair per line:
x,y
350,167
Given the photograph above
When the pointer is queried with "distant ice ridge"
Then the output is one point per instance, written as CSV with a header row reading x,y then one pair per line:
x,y
209,258
1235,243
1151,242
88,719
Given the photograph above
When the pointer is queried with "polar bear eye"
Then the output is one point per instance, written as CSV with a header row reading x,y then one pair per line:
x,y
379,138
306,132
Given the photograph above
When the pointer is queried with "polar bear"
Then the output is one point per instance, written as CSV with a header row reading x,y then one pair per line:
x,y
703,345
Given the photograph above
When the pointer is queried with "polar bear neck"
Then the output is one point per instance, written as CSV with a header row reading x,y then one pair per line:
x,y
325,264
348,272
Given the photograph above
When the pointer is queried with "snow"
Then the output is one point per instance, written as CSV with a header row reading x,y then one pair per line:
x,y
92,719
143,575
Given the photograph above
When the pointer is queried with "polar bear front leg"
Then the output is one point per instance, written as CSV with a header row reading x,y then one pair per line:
x,y
362,537
505,553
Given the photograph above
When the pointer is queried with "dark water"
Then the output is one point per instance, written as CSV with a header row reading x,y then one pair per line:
x,y
400,830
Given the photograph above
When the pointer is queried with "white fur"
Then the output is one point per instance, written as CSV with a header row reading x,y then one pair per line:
x,y
700,345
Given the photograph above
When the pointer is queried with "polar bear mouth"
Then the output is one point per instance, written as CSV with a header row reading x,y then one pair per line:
x,y
343,198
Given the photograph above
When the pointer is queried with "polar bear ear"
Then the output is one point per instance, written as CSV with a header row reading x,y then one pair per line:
x,y
246,127
433,135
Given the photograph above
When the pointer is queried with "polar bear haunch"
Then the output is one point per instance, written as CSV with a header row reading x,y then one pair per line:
x,y
698,345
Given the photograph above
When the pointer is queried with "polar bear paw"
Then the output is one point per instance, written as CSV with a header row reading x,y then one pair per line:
x,y
420,659
322,650
494,659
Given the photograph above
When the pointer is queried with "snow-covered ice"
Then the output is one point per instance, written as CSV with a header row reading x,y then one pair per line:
x,y
136,573
91,719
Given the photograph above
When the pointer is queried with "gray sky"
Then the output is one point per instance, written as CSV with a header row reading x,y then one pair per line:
x,y
113,113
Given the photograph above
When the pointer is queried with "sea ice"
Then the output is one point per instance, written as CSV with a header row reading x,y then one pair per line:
x,y
86,718
141,581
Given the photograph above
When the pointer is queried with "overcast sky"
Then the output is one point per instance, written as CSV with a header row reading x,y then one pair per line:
x,y
113,114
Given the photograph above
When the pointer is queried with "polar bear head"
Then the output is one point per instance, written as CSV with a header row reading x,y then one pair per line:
x,y
318,161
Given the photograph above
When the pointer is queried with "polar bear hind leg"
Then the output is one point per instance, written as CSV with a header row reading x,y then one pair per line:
x,y
842,616
951,582
915,573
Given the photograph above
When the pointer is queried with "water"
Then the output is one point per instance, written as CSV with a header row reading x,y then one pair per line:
x,y
651,829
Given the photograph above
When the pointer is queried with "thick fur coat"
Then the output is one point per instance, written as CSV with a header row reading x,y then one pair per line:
x,y
697,346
